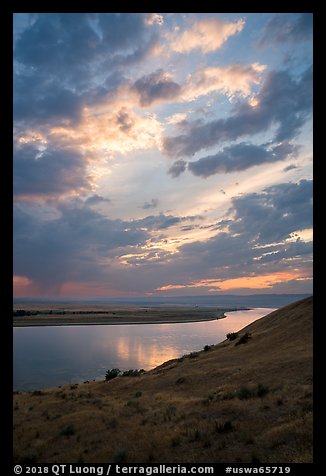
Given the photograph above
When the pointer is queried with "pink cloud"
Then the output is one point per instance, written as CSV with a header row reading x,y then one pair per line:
x,y
207,35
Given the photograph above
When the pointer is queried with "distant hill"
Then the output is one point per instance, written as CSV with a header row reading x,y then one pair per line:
x,y
233,402
218,300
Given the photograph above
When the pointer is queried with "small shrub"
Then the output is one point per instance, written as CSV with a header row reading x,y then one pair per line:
x,y
207,347
244,339
261,390
133,373
133,403
223,427
120,456
244,393
228,395
138,394
111,374
180,380
193,355
279,402
37,393
232,335
197,435
68,430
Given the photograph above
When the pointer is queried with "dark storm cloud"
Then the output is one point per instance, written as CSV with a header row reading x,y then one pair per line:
x,y
275,213
152,204
155,86
290,167
48,171
124,120
96,199
77,244
290,250
287,28
221,250
57,54
37,100
283,101
69,44
259,219
238,157
49,44
69,247
177,168
160,222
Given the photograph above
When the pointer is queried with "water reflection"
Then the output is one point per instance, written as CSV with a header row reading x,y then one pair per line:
x,y
50,356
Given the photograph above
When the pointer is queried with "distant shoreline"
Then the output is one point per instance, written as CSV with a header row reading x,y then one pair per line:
x,y
120,317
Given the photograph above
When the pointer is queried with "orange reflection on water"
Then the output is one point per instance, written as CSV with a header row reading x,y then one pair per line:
x,y
128,348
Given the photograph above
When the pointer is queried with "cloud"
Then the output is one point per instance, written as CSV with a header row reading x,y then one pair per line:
x,y
72,247
96,199
154,18
48,170
290,167
124,120
156,86
56,54
152,204
79,41
176,118
177,168
159,222
76,243
38,100
228,80
287,29
275,213
111,127
239,157
207,35
254,246
283,101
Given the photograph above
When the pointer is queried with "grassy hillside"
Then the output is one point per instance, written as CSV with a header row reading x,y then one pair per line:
x,y
247,402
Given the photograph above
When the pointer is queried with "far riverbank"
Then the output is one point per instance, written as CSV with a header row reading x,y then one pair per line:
x,y
109,315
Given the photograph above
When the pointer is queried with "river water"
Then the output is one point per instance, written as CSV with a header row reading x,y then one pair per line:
x,y
52,356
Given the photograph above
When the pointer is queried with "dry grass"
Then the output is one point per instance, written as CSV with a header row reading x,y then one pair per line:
x,y
187,410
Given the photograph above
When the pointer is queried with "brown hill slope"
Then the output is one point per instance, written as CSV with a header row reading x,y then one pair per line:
x,y
250,402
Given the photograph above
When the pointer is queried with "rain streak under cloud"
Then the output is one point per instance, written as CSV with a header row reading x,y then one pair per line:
x,y
162,154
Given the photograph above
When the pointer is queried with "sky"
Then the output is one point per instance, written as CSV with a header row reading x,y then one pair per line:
x,y
162,154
